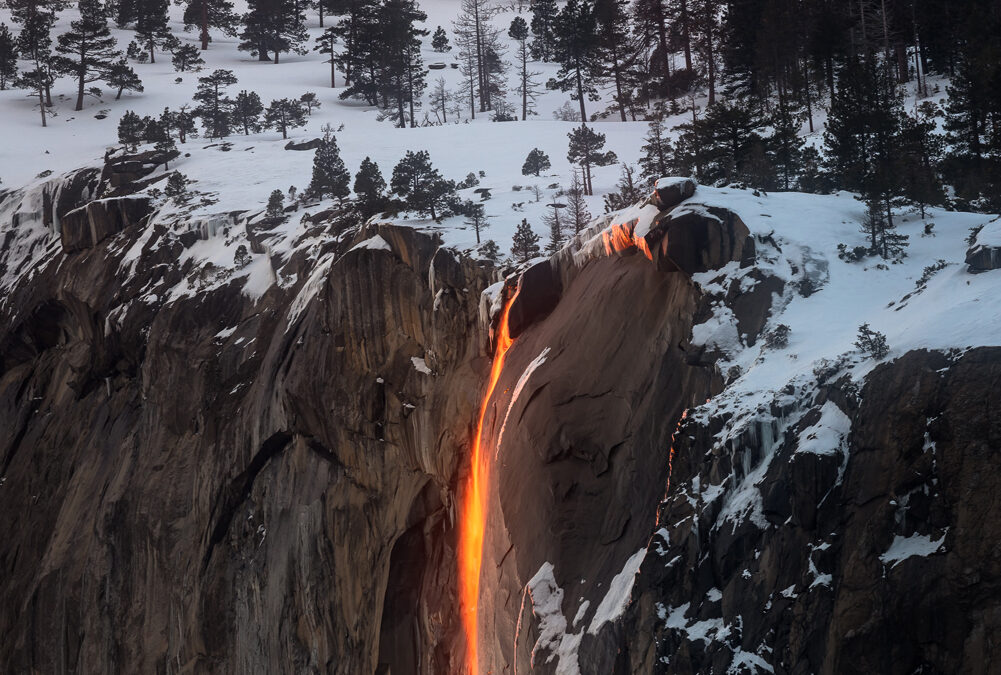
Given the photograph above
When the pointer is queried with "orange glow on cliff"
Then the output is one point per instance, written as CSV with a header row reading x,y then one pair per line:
x,y
473,516
620,238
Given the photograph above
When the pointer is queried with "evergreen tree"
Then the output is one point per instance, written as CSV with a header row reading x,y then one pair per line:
x,y
706,39
614,47
35,45
628,191
242,257
578,215
131,130
476,39
206,14
370,188
247,111
439,41
215,108
785,145
420,184
121,77
653,33
527,82
273,26
361,32
8,56
325,45
87,51
919,152
183,122
525,244
556,225
576,50
275,211
536,162
476,218
177,188
544,13
329,175
655,162
863,130
586,150
309,101
284,114
151,26
187,57
490,251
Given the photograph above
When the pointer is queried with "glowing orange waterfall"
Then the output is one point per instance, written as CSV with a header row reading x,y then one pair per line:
x,y
474,508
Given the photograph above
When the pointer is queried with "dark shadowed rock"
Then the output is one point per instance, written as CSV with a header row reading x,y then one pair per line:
x,y
88,225
304,145
695,238
540,292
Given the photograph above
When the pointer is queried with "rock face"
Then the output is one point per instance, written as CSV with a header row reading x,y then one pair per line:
x,y
229,482
985,254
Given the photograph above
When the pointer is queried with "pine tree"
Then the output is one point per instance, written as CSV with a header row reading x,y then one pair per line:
x,y
614,47
87,51
525,244
527,82
183,122
187,57
329,175
476,218
275,211
785,145
151,26
489,250
544,13
131,130
536,162
361,32
439,41
706,39
576,50
241,258
309,101
556,225
206,14
473,34
35,45
420,184
627,193
247,111
586,150
215,108
403,75
657,150
284,114
123,78
919,152
8,56
577,212
370,188
325,45
653,32
177,187
273,26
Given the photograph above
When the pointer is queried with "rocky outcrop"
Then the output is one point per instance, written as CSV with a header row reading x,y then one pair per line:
x,y
985,253
210,479
97,220
312,144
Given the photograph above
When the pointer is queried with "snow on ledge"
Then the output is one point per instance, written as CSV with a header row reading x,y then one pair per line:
x,y
376,243
619,591
903,548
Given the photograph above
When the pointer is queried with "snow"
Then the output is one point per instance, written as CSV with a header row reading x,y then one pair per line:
x,y
619,590
375,243
828,434
903,548
547,604
420,365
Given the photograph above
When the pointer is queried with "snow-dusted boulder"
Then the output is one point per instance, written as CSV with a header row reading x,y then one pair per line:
x,y
671,191
985,254
305,145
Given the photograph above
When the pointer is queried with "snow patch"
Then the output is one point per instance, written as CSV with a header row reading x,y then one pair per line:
x,y
619,590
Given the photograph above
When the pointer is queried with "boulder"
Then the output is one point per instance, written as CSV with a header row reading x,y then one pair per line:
x,y
305,145
699,238
669,192
985,254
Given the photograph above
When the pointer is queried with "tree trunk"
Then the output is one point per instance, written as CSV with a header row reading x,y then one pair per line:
x,y
119,96
333,66
686,34
580,96
41,103
205,24
617,72
80,85
524,82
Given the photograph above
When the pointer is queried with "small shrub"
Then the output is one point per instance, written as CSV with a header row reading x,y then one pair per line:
x,y
852,255
778,337
930,271
872,342
971,238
